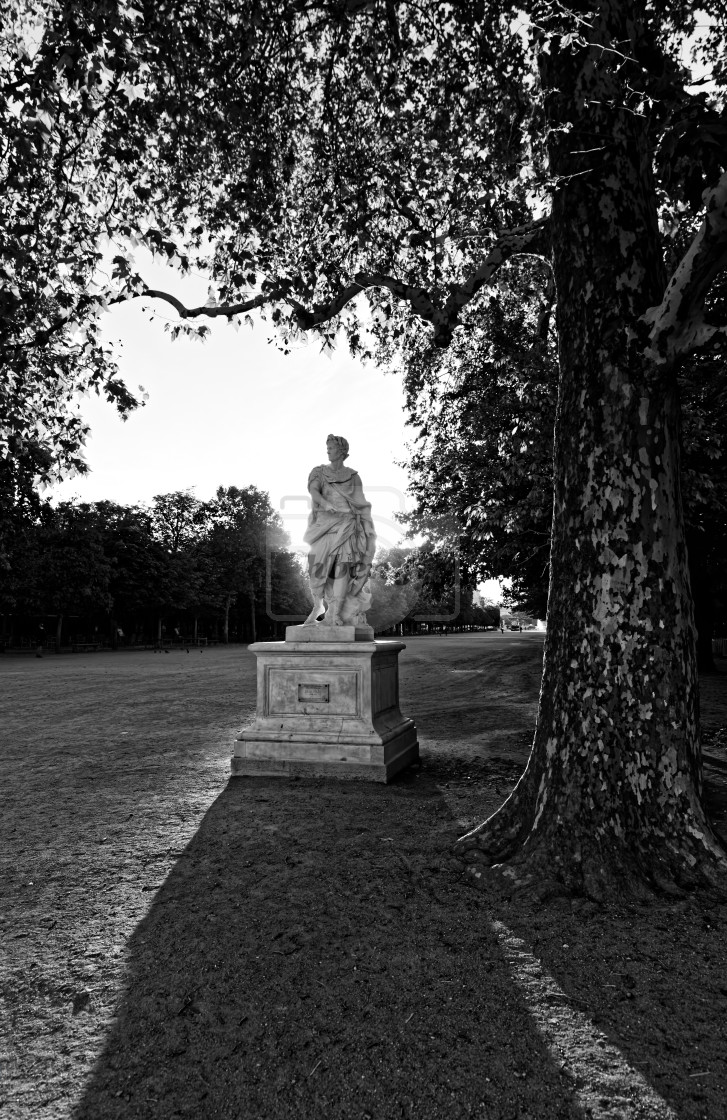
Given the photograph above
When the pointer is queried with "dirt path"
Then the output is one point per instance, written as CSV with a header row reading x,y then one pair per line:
x,y
177,945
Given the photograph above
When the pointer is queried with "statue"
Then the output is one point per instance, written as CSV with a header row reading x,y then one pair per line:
x,y
342,541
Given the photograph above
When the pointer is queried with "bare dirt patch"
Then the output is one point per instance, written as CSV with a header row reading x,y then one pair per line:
x,y
177,944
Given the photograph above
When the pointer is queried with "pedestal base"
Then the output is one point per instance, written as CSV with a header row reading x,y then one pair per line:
x,y
329,709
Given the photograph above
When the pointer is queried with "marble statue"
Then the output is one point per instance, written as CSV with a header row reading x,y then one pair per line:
x,y
342,541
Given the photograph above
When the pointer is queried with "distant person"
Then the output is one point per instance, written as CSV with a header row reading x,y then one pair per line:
x,y
41,640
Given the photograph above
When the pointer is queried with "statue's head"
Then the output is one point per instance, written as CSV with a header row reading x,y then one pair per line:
x,y
338,445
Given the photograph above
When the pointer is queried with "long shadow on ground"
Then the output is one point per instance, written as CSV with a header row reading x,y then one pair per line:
x,y
651,981
315,954
632,998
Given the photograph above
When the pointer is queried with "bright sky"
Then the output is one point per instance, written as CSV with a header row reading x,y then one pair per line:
x,y
236,411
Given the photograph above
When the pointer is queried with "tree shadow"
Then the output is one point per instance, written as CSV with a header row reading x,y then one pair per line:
x,y
648,981
631,997
314,953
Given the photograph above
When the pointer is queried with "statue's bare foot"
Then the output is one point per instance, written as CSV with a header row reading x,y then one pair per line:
x,y
313,616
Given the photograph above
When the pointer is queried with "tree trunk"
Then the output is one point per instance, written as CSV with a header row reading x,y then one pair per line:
x,y
610,799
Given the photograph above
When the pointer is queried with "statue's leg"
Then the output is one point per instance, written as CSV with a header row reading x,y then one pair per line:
x,y
336,593
318,608
317,587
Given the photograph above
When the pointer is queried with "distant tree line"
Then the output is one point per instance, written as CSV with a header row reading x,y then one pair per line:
x,y
182,570
179,569
425,588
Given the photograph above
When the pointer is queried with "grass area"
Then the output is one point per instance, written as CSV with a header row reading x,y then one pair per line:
x,y
177,944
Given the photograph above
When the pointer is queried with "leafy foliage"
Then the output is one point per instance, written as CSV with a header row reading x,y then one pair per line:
x,y
301,155
481,465
66,188
239,524
483,455
425,583
112,563
67,570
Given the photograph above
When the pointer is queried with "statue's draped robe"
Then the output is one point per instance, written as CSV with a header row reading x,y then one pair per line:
x,y
345,535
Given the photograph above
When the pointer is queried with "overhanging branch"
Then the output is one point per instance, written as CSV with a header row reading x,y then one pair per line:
x,y
531,239
418,298
209,310
678,324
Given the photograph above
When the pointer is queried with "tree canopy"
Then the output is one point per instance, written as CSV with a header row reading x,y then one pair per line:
x,y
304,153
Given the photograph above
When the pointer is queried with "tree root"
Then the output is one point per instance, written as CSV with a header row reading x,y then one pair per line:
x,y
505,855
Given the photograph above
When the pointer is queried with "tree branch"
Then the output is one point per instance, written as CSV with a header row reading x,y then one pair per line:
x,y
532,239
209,310
678,323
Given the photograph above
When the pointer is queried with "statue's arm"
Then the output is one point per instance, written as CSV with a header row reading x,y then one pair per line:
x,y
358,494
315,489
359,499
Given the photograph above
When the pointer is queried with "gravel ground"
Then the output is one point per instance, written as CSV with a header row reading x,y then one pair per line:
x,y
177,944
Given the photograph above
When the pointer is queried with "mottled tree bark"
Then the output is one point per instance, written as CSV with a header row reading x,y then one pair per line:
x,y
611,795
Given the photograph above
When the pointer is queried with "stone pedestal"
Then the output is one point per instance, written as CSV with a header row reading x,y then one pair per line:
x,y
327,707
